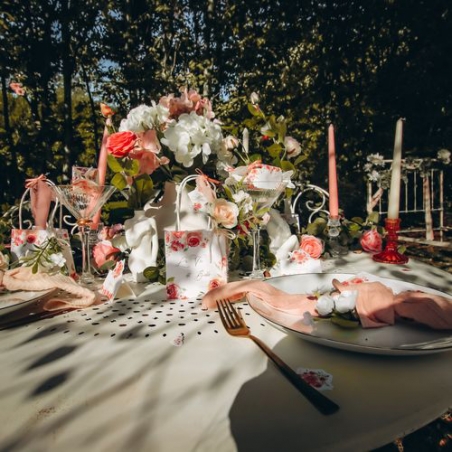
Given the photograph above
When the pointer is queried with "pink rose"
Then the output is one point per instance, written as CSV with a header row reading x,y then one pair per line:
x,y
106,110
149,161
17,88
371,241
120,144
176,245
172,291
311,245
194,239
104,252
214,283
225,213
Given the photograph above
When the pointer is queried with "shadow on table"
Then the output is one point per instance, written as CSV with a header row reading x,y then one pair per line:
x,y
269,414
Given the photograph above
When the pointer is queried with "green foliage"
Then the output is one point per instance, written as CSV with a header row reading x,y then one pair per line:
x,y
358,65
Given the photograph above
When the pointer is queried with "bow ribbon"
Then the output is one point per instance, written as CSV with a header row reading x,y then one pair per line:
x,y
33,183
206,177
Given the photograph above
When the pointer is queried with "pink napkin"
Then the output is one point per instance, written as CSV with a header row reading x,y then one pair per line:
x,y
376,304
429,309
278,299
75,296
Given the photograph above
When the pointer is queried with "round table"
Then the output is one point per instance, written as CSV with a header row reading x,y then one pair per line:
x,y
146,374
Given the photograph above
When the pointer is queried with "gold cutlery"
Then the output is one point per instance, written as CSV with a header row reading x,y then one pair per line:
x,y
235,325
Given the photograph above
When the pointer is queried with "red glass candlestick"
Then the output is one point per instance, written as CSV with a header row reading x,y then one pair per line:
x,y
390,255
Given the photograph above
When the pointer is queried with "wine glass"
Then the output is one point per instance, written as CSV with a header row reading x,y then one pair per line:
x,y
83,201
264,194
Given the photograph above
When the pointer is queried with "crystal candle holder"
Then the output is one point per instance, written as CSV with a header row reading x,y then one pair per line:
x,y
336,249
390,255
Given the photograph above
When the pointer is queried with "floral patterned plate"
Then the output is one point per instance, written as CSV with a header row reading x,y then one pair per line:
x,y
12,301
399,339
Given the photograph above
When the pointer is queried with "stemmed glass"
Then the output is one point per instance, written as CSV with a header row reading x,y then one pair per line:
x,y
264,194
84,201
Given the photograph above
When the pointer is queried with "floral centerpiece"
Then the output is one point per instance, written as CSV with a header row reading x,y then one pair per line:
x,y
175,136
166,139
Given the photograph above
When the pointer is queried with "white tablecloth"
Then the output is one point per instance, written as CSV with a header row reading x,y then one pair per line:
x,y
112,378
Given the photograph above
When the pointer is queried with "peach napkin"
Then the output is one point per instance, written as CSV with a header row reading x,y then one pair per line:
x,y
278,299
75,296
376,304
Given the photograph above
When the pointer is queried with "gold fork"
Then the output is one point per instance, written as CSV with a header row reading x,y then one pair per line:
x,y
235,325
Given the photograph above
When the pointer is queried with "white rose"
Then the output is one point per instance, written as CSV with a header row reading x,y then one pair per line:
x,y
254,98
292,146
325,305
346,301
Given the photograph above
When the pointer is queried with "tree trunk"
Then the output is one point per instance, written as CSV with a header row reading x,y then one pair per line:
x,y
68,69
12,176
92,107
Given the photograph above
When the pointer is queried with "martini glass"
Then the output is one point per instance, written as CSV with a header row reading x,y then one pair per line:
x,y
264,194
84,201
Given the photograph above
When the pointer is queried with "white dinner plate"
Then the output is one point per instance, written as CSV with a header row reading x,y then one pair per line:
x,y
12,301
399,339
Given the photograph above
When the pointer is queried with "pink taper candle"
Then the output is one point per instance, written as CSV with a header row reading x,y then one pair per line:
x,y
332,174
396,174
102,169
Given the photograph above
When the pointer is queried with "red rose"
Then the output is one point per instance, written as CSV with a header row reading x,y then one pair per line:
x,y
31,238
194,239
172,291
311,245
371,241
120,144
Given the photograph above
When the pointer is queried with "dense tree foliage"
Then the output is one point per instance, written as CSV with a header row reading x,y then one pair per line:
x,y
360,65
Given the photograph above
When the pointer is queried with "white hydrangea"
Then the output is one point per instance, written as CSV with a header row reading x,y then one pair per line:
x,y
244,200
145,117
191,136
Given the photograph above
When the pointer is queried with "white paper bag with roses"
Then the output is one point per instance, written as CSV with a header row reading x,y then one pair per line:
x,y
26,239
196,260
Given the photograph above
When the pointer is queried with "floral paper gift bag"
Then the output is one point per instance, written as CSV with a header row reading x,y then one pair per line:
x,y
24,240
196,261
